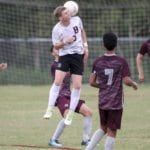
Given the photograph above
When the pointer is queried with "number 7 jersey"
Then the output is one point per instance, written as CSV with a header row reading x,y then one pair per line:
x,y
74,29
110,71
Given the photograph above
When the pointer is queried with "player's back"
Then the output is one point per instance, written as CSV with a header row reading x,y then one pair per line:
x,y
110,71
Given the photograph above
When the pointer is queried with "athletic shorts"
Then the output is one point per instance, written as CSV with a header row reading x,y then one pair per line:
x,y
63,103
111,118
71,62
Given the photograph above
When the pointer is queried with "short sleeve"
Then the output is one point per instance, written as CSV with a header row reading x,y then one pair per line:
x,y
143,49
80,23
55,36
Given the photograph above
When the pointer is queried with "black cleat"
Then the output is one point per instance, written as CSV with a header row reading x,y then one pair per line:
x,y
85,143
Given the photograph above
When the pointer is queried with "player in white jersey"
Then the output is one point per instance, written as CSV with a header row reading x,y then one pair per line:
x,y
69,37
74,29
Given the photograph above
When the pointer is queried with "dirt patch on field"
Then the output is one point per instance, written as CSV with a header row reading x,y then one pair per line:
x,y
39,147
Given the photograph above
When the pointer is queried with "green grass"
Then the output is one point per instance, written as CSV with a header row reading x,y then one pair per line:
x,y
22,109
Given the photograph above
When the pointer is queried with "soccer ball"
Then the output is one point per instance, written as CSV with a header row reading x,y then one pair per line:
x,y
72,6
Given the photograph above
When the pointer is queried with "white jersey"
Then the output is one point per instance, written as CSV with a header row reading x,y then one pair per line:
x,y
74,29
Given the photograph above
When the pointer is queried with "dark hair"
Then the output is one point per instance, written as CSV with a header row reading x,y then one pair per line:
x,y
110,41
58,10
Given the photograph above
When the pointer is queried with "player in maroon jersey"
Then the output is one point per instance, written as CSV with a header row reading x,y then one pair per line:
x,y
63,102
108,74
145,48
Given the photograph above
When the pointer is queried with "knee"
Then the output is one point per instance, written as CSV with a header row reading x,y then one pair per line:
x,y
88,113
57,83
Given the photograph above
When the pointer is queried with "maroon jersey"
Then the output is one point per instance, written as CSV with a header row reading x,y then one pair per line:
x,y
65,88
109,71
145,48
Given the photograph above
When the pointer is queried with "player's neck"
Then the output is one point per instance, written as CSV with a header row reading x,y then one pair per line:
x,y
110,53
65,23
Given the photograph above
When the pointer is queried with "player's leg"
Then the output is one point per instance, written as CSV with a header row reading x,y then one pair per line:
x,y
98,134
63,105
75,96
96,137
110,139
113,124
54,141
87,123
76,69
54,91
60,73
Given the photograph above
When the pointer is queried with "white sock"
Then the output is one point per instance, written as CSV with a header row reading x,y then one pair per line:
x,y
59,130
75,96
97,136
53,94
87,126
109,143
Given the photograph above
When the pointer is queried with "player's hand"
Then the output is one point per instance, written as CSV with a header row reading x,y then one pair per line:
x,y
141,77
68,40
3,66
135,86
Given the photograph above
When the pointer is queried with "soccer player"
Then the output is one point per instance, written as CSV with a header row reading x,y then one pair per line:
x,y
145,48
108,74
3,66
69,37
63,102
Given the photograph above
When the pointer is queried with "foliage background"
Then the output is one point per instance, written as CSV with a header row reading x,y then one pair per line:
x,y
25,34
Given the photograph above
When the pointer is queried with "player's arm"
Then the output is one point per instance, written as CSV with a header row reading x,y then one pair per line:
x,y
63,42
85,44
92,80
129,82
58,42
139,62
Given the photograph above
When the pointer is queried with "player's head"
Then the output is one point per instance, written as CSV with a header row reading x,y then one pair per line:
x,y
110,41
62,13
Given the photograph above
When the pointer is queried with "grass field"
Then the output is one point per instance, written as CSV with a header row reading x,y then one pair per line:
x,y
21,122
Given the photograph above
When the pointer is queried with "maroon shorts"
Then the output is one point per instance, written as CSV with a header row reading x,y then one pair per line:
x,y
63,103
111,118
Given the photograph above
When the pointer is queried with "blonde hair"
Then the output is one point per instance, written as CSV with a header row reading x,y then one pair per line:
x,y
58,10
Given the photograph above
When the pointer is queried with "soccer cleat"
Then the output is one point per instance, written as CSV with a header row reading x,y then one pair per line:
x,y
54,143
48,113
69,117
85,143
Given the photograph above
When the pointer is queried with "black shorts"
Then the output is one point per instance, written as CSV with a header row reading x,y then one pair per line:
x,y
111,118
71,62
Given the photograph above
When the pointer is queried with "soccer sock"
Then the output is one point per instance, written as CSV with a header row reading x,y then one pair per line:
x,y
75,96
97,136
87,126
109,143
59,130
53,94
